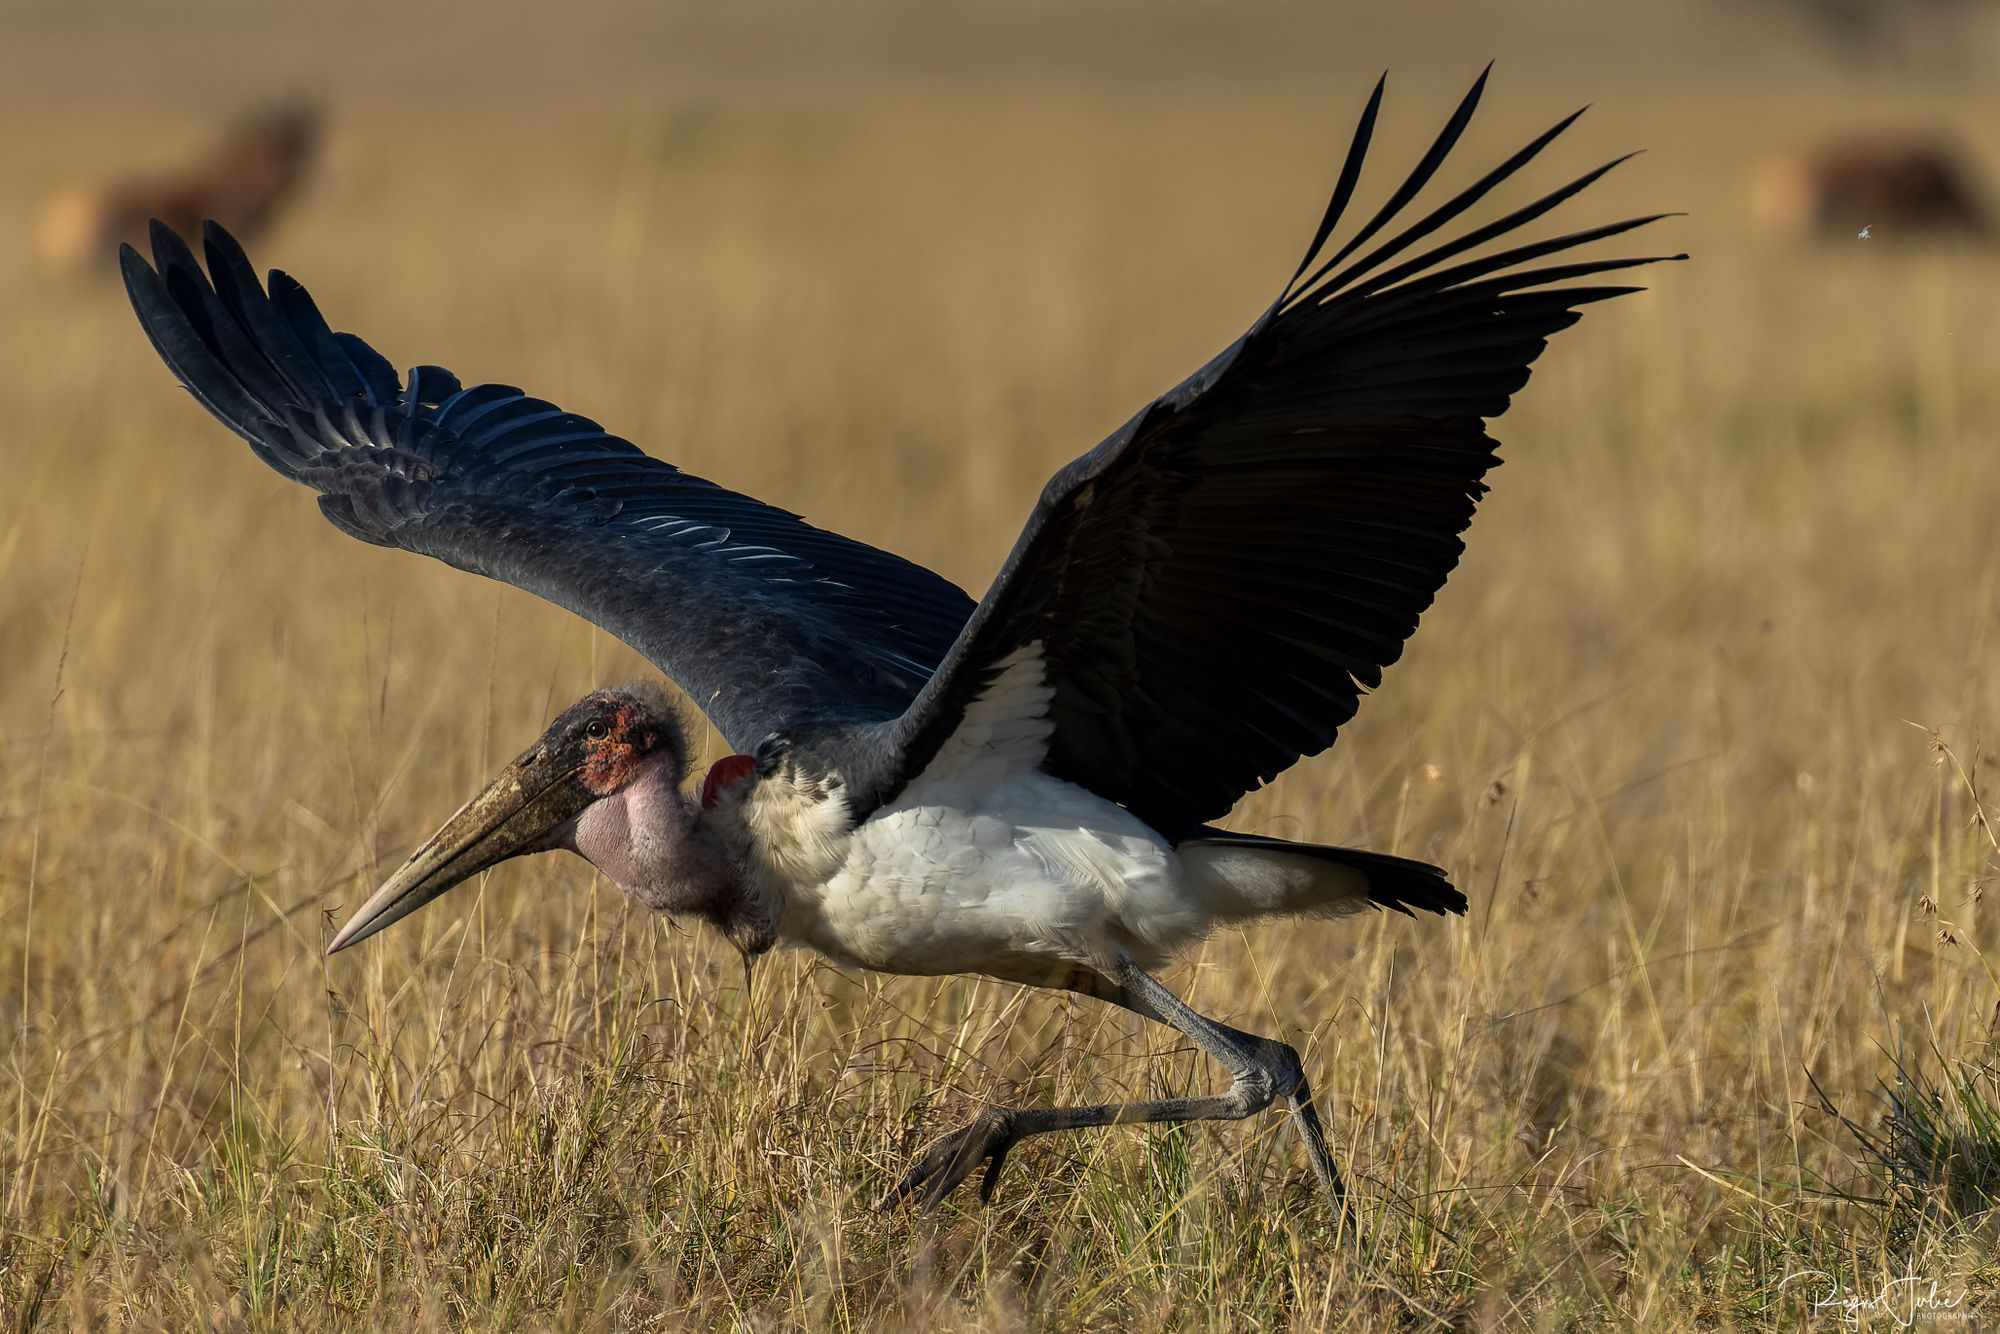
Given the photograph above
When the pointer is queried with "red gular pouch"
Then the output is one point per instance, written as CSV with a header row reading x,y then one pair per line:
x,y
723,775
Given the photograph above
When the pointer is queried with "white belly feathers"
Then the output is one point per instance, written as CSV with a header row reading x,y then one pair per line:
x,y
982,864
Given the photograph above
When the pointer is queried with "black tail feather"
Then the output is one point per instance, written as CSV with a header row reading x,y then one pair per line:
x,y
1396,883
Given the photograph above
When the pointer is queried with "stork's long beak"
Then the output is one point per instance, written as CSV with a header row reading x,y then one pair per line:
x,y
522,811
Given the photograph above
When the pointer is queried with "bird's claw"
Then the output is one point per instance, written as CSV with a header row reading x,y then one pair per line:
x,y
951,1160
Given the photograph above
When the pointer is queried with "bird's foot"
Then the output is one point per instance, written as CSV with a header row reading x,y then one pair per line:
x,y
951,1160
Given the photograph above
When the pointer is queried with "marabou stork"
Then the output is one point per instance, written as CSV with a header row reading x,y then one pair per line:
x,y
1021,787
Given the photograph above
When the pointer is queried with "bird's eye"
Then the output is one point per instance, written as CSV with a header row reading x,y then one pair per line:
x,y
596,730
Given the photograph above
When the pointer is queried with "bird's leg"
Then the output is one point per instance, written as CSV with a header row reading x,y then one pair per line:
x,y
1280,1060
1261,1069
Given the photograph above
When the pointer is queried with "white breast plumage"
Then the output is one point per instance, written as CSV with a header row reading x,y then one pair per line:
x,y
798,829
983,863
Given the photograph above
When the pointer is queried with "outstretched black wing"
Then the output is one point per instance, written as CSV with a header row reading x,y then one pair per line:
x,y
1215,586
763,620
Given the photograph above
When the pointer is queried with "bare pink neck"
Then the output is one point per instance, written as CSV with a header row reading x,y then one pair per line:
x,y
650,840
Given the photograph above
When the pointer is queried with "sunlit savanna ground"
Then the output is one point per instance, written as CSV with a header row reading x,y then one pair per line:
x,y
1670,726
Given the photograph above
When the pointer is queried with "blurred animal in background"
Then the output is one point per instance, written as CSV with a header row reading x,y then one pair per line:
x,y
244,181
1911,187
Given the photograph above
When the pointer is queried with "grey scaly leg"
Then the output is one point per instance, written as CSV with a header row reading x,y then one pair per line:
x,y
1260,1069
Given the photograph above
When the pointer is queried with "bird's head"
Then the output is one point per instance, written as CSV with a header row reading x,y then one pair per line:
x,y
604,782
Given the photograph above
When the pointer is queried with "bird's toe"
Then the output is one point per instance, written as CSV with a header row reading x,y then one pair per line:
x,y
950,1161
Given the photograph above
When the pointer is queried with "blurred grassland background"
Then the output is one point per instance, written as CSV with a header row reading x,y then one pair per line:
x,y
1674,726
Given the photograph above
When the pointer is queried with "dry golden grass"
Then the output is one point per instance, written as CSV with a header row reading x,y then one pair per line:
x,y
1659,727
